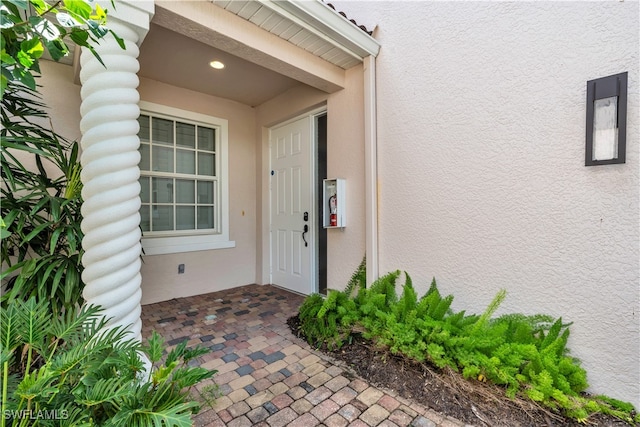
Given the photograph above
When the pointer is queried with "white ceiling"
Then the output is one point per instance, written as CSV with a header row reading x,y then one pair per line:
x,y
172,58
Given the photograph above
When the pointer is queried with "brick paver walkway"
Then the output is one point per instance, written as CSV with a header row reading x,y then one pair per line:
x,y
267,376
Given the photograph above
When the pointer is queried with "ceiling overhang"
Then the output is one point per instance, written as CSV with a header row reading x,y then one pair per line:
x,y
214,26
311,25
305,41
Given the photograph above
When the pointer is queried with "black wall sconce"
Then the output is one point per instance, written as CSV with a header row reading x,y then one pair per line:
x,y
606,120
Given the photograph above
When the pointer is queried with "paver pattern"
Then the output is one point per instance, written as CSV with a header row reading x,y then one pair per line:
x,y
267,377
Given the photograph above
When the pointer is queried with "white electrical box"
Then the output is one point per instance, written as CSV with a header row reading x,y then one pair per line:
x,y
333,202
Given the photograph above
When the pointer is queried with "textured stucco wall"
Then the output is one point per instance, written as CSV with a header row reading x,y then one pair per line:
x,y
62,98
62,105
481,128
345,159
209,271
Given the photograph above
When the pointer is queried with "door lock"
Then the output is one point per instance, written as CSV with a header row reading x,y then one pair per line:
x,y
305,216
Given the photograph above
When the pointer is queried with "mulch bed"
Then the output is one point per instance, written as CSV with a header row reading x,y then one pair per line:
x,y
446,391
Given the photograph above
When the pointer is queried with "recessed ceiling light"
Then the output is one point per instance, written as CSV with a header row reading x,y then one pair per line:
x,y
217,65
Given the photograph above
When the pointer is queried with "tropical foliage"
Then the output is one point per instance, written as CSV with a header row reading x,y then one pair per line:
x,y
527,355
40,212
40,208
27,32
71,371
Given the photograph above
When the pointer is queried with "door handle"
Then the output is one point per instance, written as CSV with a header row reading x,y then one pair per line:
x,y
305,230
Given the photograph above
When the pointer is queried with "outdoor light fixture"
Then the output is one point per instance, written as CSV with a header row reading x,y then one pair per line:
x,y
217,65
606,120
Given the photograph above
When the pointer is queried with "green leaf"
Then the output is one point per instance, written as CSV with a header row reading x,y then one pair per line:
x,y
100,14
57,49
32,47
78,7
34,321
105,391
25,77
176,416
71,283
4,82
8,327
22,4
154,347
119,40
57,279
69,326
34,233
7,59
96,55
71,240
54,209
37,383
79,37
47,273
97,30
54,240
25,60
176,352
40,6
6,144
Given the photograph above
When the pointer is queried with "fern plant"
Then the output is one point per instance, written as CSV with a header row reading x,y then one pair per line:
x,y
327,321
527,355
71,370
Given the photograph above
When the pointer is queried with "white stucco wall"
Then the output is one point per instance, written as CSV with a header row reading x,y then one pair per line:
x,y
345,159
62,105
209,271
481,129
62,98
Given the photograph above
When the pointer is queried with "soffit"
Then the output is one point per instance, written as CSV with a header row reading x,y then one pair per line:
x,y
310,25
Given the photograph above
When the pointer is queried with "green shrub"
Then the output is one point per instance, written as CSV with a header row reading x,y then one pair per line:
x,y
75,372
327,321
40,208
528,355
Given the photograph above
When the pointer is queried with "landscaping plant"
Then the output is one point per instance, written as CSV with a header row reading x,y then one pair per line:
x,y
40,211
527,355
71,371
40,207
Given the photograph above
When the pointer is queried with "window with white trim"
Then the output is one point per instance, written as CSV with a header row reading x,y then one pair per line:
x,y
183,180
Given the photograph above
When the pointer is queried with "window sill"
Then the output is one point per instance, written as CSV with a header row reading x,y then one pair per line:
x,y
174,245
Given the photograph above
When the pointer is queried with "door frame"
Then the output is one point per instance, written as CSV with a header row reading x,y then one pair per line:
x,y
313,217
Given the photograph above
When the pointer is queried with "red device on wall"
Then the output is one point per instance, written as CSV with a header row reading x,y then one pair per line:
x,y
333,211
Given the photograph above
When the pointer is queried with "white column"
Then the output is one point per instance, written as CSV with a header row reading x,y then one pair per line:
x,y
110,169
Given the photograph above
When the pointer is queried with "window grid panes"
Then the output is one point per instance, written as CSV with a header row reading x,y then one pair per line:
x,y
179,186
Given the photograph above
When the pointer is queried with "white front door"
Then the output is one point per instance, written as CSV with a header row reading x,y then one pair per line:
x,y
292,211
